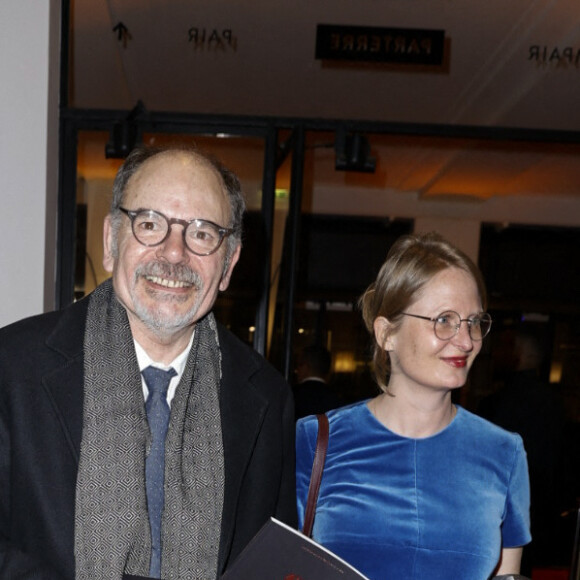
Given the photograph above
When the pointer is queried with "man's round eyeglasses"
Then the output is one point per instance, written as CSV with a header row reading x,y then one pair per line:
x,y
152,228
446,325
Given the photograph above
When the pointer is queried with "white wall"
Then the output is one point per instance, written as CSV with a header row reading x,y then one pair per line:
x,y
29,69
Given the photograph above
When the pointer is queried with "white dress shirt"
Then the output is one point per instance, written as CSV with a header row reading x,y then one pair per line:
x,y
178,364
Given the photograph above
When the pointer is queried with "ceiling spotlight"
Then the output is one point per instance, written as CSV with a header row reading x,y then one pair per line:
x,y
352,152
126,134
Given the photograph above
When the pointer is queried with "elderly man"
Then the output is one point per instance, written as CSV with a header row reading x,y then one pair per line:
x,y
137,436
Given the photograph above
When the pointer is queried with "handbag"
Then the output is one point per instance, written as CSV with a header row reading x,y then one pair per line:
x,y
316,475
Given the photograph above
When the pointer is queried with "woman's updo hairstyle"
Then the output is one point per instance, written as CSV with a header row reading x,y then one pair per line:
x,y
412,261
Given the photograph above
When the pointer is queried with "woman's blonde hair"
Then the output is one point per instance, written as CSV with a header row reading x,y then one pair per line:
x,y
412,261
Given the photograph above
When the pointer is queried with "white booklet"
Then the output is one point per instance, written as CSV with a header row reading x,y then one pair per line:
x,y
278,551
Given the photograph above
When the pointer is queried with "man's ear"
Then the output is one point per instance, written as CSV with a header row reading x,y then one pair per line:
x,y
383,333
225,281
108,245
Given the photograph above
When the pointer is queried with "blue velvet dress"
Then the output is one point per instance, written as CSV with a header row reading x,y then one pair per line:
x,y
437,508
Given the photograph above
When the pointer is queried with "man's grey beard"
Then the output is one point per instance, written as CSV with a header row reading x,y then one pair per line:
x,y
163,323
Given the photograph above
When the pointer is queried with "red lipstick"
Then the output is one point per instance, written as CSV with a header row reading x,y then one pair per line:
x,y
456,361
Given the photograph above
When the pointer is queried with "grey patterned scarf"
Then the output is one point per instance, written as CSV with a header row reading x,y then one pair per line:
x,y
112,533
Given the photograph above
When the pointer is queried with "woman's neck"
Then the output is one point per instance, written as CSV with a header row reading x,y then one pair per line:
x,y
413,418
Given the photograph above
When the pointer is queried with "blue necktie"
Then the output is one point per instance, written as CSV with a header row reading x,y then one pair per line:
x,y
157,381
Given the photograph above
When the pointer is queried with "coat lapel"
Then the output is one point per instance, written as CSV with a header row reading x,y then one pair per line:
x,y
64,383
242,412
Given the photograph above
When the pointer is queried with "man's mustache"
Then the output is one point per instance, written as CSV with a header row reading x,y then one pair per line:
x,y
178,272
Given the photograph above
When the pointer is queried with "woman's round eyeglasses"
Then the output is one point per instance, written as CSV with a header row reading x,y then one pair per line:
x,y
446,325
152,228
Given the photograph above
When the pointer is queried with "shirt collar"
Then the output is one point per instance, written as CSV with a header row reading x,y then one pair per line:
x,y
178,363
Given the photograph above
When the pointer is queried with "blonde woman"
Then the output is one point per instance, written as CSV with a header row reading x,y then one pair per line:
x,y
415,487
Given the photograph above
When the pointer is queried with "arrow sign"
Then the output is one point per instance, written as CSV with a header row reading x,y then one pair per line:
x,y
122,33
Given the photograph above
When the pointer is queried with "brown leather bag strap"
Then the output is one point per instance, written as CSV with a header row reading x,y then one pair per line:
x,y
316,476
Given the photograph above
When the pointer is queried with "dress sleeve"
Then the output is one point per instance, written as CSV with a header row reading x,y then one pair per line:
x,y
306,432
516,522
